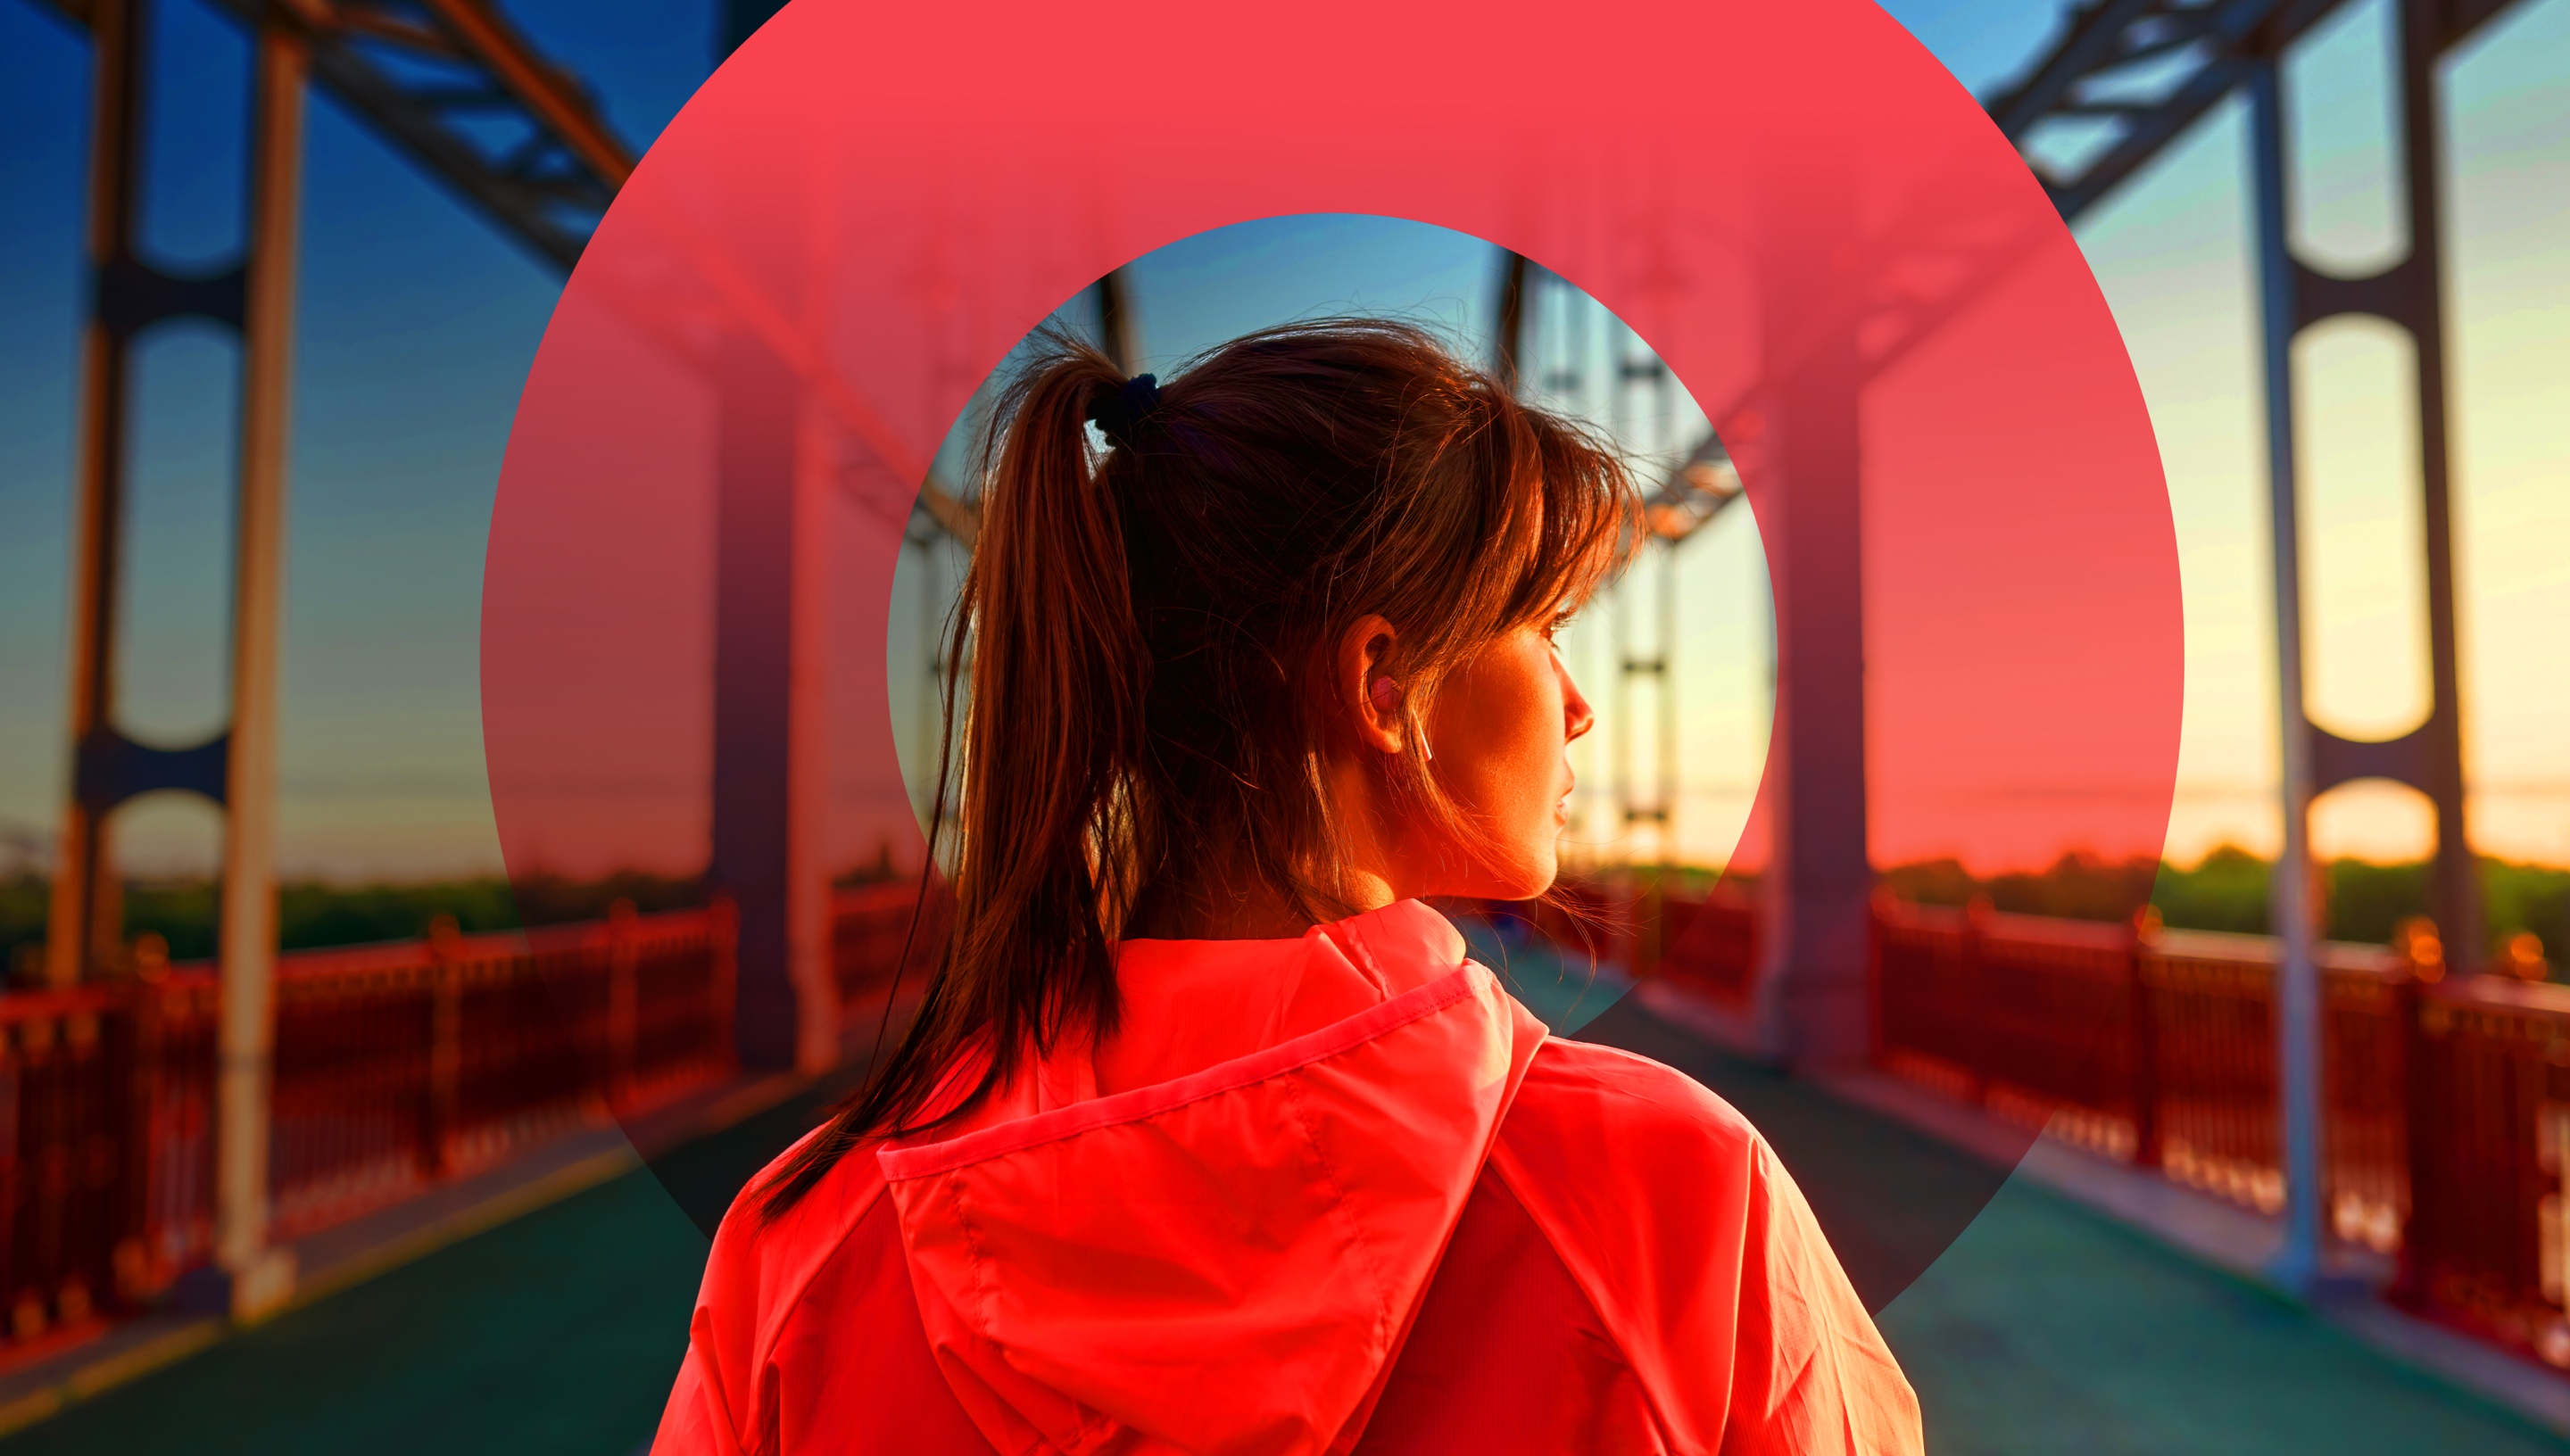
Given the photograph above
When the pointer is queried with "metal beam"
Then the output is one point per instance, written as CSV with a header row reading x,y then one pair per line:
x,y
552,95
2110,63
422,75
2292,297
1120,334
1511,335
2428,31
2291,912
84,927
261,1276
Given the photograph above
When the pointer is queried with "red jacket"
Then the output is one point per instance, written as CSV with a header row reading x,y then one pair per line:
x,y
1333,1194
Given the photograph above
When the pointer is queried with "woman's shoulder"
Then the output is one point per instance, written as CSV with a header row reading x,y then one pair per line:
x,y
1689,1239
761,1261
755,1276
1635,1172
1642,1179
1584,1105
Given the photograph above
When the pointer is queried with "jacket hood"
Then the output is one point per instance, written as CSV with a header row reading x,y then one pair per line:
x,y
1210,1232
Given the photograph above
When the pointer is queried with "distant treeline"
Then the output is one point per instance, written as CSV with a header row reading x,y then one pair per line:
x,y
316,912
2227,890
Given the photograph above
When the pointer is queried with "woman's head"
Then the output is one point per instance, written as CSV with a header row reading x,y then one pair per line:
x,y
1303,538
1276,638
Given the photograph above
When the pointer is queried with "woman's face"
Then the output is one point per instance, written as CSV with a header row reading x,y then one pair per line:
x,y
1499,732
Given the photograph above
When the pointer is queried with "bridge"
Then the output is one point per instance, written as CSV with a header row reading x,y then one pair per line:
x,y
186,1133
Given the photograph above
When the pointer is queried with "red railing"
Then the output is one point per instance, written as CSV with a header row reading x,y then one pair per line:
x,y
870,925
399,1065
2153,1047
1586,918
395,1066
67,1171
1709,943
2490,1100
2023,1017
2447,1129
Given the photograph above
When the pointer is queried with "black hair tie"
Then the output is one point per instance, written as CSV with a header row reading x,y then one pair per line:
x,y
1116,411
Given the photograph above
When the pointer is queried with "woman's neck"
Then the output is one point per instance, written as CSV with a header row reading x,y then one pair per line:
x,y
1245,908
1229,900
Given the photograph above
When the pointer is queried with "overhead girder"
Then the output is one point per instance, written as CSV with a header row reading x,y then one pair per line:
x,y
429,77
2149,69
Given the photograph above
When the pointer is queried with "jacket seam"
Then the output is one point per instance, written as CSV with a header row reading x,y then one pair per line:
x,y
1143,1104
1339,1210
792,1298
1500,1164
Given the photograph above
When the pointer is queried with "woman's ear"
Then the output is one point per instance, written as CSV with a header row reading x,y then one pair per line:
x,y
1367,693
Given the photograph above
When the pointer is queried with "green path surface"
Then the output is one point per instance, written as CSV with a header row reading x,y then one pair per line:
x,y
2042,1329
2046,1329
558,1332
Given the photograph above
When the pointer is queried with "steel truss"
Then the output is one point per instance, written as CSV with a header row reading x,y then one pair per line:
x,y
454,87
2128,77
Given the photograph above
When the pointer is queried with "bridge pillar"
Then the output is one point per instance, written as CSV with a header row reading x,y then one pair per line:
x,y
237,767
1814,1008
261,1276
770,774
2293,296
84,922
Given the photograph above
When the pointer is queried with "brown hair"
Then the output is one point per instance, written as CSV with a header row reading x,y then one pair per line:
x,y
1143,624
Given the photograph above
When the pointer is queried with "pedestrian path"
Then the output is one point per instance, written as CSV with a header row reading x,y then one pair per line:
x,y
2046,1328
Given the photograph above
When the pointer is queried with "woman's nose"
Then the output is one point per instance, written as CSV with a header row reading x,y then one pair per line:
x,y
1577,716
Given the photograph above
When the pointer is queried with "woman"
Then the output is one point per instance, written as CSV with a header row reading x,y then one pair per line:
x,y
1207,1137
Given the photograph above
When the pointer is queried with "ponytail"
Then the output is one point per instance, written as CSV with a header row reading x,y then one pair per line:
x,y
1046,631
1140,627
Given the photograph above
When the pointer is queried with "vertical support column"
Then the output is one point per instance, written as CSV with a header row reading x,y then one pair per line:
x,y
623,1019
2456,892
442,1105
2142,1017
1813,1002
1511,335
1666,766
1119,330
2290,909
261,1276
767,790
85,919
807,816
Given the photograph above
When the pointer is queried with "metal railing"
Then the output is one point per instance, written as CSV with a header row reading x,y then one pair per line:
x,y
2488,1100
869,927
1710,944
401,1065
2446,1130
397,1066
68,1175
2447,1133
2156,1048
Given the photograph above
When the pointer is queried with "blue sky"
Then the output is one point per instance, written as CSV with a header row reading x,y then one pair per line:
x,y
418,322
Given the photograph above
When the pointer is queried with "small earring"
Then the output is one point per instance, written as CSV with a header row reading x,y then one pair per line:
x,y
1386,697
